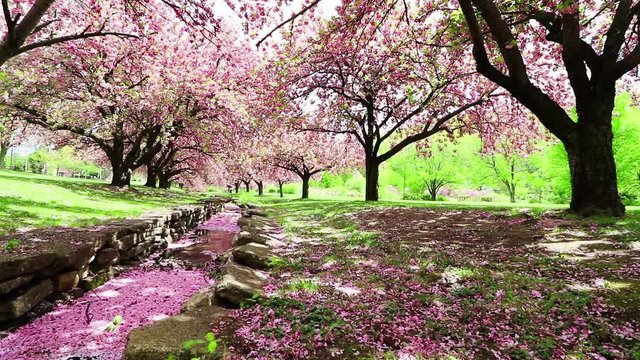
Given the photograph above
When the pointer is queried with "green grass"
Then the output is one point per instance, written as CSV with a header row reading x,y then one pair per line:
x,y
30,200
347,204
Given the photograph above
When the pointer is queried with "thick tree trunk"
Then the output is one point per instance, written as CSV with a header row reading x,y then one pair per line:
x,y
119,174
152,177
237,186
280,183
163,181
260,187
247,185
434,194
372,172
305,185
593,170
4,148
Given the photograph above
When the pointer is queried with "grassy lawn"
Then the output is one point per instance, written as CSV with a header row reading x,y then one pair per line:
x,y
32,201
422,280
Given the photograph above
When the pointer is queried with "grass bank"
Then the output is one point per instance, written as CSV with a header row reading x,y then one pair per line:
x,y
34,201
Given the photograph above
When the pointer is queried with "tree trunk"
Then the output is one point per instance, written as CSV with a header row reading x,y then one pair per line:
x,y
247,185
237,186
260,187
434,194
512,184
128,175
119,174
163,181
372,173
305,185
280,183
4,148
594,180
152,177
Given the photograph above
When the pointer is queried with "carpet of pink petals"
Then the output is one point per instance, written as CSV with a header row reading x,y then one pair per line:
x,y
141,296
80,328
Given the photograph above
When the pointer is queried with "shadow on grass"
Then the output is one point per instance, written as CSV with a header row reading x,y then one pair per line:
x,y
103,191
13,216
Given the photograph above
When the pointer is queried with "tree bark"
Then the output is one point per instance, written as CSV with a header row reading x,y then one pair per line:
x,y
594,180
260,187
163,181
118,173
512,184
305,185
4,148
372,172
237,186
247,185
280,183
152,177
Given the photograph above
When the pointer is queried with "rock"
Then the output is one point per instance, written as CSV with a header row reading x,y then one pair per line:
x,y
92,282
202,299
140,250
258,225
254,255
240,283
66,281
83,273
254,212
16,305
127,242
15,266
106,256
246,237
8,285
165,337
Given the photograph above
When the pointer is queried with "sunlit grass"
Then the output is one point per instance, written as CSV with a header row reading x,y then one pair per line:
x,y
31,200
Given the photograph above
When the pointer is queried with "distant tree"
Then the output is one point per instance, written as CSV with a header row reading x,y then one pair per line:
x,y
396,89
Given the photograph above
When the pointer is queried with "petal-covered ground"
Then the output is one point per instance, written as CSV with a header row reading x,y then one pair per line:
x,y
440,284
95,326
82,328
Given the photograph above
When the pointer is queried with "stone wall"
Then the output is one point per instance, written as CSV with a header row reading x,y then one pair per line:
x,y
56,262
244,275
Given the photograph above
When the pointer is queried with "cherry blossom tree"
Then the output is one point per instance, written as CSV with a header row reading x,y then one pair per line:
x,y
376,81
125,97
35,24
549,55
306,154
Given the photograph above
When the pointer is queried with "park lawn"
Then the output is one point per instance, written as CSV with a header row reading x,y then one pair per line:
x,y
35,201
392,280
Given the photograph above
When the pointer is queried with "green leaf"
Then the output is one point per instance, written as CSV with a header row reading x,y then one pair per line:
x,y
212,346
210,336
189,344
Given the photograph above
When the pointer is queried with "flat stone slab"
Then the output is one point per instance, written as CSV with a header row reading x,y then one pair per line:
x,y
257,223
163,338
200,300
246,237
8,285
253,255
240,283
18,304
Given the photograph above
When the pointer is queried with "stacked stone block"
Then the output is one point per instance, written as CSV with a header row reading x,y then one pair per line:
x,y
51,262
